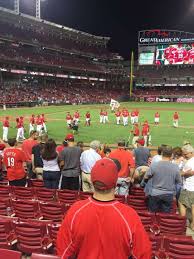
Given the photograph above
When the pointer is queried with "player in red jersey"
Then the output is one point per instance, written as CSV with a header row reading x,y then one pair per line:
x,y
136,116
68,119
133,114
156,118
39,125
135,132
5,128
14,160
146,133
176,120
180,55
88,119
101,116
44,123
191,55
170,54
118,116
105,118
32,123
76,117
125,115
20,128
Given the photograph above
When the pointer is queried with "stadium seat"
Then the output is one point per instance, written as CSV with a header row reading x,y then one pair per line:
x,y
42,256
137,192
53,231
176,248
7,235
26,209
53,211
5,191
32,237
44,194
136,203
35,183
120,198
85,195
4,182
9,254
148,220
156,242
6,207
67,196
171,223
24,193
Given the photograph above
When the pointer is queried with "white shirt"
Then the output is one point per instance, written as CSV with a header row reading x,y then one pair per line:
x,y
188,183
88,159
51,165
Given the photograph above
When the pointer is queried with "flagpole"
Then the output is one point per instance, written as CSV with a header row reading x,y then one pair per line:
x,y
131,73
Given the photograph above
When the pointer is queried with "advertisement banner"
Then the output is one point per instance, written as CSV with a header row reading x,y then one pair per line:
x,y
185,100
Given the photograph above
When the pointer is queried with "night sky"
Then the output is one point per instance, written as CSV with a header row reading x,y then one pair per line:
x,y
118,19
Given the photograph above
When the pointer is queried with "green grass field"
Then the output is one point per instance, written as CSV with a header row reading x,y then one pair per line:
x,y
110,133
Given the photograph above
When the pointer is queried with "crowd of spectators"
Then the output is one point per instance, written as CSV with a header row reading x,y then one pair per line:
x,y
165,177
70,92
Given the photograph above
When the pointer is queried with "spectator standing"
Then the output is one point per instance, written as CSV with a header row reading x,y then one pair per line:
x,y
70,165
142,156
87,160
14,160
186,199
165,175
126,172
27,146
51,170
101,227
6,126
37,164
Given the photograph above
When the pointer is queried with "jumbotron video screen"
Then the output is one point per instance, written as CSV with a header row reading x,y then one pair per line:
x,y
175,54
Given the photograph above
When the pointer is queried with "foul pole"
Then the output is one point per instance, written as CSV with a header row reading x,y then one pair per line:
x,y
131,73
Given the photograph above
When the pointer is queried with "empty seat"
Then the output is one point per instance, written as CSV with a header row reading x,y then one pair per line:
x,y
85,195
5,191
32,237
53,231
10,254
44,194
171,223
53,211
120,198
7,235
148,219
42,256
137,192
67,196
26,209
22,192
156,242
35,183
178,247
136,203
6,207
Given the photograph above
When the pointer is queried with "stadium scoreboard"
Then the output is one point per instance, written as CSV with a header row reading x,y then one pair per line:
x,y
164,47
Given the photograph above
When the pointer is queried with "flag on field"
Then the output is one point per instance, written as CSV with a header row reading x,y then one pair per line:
x,y
114,104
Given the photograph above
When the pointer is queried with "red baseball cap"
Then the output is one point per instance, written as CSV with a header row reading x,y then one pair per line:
x,y
69,137
105,171
141,141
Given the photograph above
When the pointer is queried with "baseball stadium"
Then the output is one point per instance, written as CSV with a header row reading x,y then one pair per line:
x,y
94,145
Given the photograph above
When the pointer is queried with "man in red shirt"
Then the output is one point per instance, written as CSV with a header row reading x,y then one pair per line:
x,y
88,119
136,116
157,118
105,117
14,160
101,116
5,128
101,227
118,116
176,120
76,117
145,133
126,172
133,117
20,129
27,146
125,115
39,124
68,119
44,123
32,123
136,134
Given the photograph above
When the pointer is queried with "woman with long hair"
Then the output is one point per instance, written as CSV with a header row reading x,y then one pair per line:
x,y
51,170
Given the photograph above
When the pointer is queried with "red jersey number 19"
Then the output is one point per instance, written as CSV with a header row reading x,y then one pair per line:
x,y
11,161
